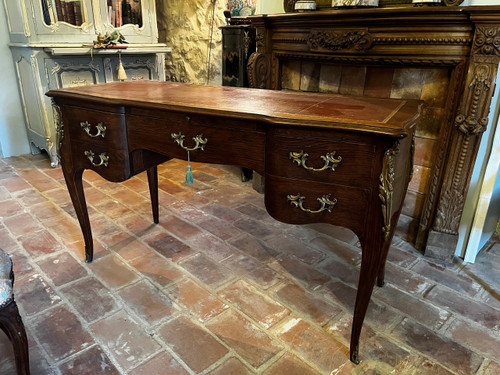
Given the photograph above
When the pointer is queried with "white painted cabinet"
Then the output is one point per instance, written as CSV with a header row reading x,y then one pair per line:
x,y
51,45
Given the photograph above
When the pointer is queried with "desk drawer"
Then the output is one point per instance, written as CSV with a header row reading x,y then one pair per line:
x,y
226,143
348,203
112,164
320,159
97,127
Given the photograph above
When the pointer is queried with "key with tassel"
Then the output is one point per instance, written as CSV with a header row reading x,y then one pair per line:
x,y
189,174
200,145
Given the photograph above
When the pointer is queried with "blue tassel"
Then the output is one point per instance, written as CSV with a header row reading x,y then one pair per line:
x,y
189,174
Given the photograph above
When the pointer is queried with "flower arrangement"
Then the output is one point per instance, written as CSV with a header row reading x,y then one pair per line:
x,y
242,8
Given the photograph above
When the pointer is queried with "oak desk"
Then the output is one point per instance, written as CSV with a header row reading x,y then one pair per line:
x,y
326,158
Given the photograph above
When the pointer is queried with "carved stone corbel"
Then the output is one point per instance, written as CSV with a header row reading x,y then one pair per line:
x,y
259,70
259,64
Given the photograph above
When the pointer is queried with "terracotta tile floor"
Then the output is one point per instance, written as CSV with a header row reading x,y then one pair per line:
x,y
219,287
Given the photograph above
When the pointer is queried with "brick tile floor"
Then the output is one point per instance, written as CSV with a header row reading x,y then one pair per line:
x,y
219,287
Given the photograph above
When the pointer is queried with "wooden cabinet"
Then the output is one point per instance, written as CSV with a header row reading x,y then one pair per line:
x,y
51,44
238,43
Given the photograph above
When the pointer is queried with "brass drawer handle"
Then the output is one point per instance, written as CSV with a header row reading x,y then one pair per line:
x,y
101,129
104,158
300,158
326,203
200,142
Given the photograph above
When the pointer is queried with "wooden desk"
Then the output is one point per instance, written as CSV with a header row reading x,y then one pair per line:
x,y
327,158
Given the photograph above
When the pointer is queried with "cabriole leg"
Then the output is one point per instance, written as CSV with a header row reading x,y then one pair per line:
x,y
75,188
371,255
12,324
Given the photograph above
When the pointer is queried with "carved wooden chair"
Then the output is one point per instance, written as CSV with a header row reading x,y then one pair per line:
x,y
10,320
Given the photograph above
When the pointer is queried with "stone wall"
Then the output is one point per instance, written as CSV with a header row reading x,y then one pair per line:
x,y
185,26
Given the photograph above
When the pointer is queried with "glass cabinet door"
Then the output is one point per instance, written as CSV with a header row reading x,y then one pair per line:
x,y
69,11
134,19
64,20
79,21
124,12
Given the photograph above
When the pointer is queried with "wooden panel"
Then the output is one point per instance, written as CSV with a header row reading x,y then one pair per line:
x,y
353,168
351,203
118,164
114,134
243,147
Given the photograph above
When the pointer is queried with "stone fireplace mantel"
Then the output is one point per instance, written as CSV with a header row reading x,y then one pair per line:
x,y
446,56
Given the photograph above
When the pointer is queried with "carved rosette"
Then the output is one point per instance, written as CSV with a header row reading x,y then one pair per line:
x,y
386,188
340,40
487,41
259,69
